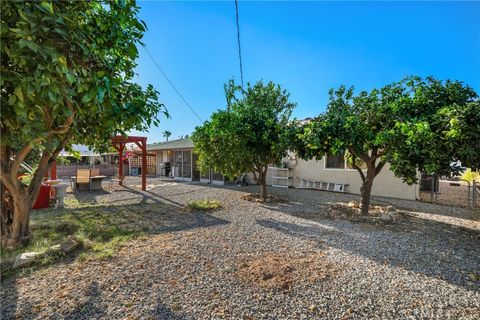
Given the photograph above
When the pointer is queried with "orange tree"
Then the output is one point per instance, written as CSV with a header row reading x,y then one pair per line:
x,y
414,125
250,134
66,71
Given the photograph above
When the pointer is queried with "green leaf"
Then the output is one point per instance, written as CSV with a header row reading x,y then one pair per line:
x,y
11,99
28,43
71,78
132,50
52,96
62,60
47,6
18,93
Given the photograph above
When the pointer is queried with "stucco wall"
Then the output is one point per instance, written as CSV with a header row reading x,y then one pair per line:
x,y
384,185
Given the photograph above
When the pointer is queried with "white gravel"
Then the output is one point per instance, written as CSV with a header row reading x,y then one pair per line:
x,y
186,267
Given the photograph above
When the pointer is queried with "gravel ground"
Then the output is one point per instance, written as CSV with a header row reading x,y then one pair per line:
x,y
188,266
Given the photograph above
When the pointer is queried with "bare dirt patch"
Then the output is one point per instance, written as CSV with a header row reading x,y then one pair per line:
x,y
282,270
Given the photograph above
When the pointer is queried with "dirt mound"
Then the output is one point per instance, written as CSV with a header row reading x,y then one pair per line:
x,y
283,270
376,214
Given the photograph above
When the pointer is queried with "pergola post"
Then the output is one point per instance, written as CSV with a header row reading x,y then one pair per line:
x,y
144,164
120,163
119,143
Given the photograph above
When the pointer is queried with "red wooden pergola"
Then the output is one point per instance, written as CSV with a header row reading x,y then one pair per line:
x,y
119,142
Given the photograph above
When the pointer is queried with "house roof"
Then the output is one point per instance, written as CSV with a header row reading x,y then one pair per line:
x,y
185,143
84,151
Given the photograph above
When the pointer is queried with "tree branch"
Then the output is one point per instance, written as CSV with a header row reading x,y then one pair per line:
x,y
45,162
380,167
64,127
354,164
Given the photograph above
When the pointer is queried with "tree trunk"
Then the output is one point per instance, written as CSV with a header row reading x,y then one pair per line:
x,y
262,179
366,191
19,230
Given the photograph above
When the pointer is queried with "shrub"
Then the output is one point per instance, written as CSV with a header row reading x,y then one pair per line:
x,y
204,205
471,176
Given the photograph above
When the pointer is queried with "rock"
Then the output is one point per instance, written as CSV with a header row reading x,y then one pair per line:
x,y
395,216
25,259
354,204
473,277
53,249
6,264
391,209
386,217
312,307
87,244
69,245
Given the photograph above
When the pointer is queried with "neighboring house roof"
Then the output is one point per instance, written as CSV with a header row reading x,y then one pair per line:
x,y
84,151
185,143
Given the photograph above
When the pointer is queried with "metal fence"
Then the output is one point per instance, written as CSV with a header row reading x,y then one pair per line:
x,y
458,193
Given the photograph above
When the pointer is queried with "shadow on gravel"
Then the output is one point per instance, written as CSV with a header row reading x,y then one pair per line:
x,y
9,299
163,312
430,248
100,223
90,308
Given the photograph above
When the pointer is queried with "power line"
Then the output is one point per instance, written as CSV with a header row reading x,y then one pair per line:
x,y
238,41
171,83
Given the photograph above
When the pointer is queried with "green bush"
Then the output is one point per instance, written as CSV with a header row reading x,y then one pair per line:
x,y
204,205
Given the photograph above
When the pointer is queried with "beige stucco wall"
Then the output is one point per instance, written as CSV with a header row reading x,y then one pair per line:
x,y
384,185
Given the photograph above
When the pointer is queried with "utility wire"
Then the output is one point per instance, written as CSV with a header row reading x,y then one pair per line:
x,y
171,83
238,40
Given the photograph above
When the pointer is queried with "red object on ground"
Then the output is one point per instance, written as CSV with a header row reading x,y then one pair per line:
x,y
43,199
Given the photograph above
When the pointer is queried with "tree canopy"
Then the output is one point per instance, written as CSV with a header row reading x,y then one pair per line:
x,y
251,133
66,71
415,124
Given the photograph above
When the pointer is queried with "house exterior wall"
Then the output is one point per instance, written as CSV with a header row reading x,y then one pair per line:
x,y
384,185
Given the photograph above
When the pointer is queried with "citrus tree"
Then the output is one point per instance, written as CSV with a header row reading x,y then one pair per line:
x,y
250,134
414,125
66,71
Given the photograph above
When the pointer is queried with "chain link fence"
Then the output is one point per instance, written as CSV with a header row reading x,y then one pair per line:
x,y
450,192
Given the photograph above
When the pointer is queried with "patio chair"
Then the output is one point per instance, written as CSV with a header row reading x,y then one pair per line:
x,y
94,172
83,177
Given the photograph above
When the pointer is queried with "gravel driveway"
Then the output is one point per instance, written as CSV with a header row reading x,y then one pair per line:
x,y
249,260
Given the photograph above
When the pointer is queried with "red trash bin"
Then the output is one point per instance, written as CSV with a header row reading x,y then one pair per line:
x,y
43,199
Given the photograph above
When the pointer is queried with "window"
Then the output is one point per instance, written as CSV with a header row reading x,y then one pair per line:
x,y
335,161
360,163
340,162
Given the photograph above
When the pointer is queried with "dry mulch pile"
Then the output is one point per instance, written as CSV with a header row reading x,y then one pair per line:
x,y
282,270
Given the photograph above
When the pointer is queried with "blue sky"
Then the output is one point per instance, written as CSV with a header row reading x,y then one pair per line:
x,y
306,47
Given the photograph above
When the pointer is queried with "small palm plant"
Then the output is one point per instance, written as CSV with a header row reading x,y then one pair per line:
x,y
471,176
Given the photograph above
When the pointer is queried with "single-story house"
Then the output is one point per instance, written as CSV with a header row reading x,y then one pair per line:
x,y
176,159
333,171
329,173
